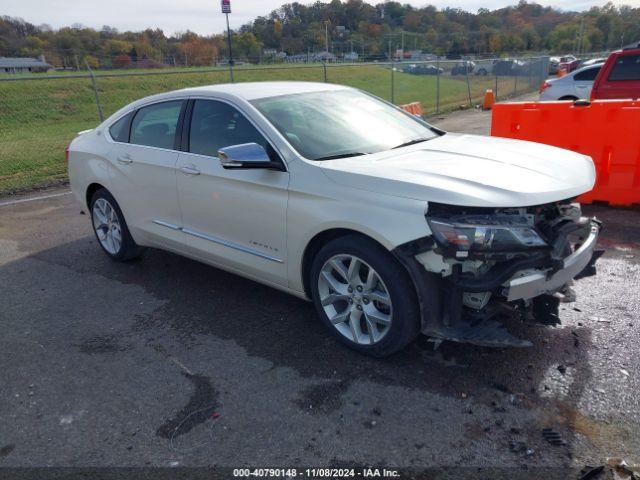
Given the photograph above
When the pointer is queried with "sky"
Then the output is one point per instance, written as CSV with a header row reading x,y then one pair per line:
x,y
204,16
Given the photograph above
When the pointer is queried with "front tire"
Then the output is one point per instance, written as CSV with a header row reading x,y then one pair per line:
x,y
364,296
110,227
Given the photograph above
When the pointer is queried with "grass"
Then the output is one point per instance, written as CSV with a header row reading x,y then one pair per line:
x,y
38,118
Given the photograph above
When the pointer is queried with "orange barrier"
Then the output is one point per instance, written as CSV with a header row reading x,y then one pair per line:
x,y
489,100
606,130
414,108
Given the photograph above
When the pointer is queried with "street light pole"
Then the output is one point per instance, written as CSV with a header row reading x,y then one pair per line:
x,y
226,9
230,50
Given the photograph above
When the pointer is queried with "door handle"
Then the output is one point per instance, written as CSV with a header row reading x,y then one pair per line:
x,y
125,159
190,170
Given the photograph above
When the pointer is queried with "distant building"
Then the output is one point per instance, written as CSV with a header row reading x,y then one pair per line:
x,y
417,55
351,56
298,58
24,65
324,57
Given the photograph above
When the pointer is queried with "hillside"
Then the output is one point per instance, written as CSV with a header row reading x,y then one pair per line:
x,y
371,31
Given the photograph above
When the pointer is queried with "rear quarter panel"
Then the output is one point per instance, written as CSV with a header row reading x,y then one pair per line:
x,y
88,163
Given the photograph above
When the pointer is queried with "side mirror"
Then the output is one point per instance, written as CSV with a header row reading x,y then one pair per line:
x,y
246,155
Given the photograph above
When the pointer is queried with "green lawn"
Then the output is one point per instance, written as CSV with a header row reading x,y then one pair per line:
x,y
38,118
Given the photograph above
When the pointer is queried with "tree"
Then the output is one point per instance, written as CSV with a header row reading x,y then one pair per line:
x,y
199,52
122,61
92,61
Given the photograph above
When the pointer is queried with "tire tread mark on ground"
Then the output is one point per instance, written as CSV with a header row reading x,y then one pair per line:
x,y
203,401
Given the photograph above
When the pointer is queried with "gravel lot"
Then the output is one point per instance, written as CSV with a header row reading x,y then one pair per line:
x,y
167,362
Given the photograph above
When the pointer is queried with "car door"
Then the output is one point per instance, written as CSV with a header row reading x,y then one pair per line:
x,y
624,79
583,81
144,173
235,218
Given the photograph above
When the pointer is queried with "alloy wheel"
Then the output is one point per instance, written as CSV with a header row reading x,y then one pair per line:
x,y
355,299
107,226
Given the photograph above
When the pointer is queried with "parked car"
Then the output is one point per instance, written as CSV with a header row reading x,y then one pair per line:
x,y
591,61
619,76
390,226
422,69
569,63
506,67
572,86
554,65
463,68
483,68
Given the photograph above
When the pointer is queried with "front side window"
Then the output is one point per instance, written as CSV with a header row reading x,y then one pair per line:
x,y
340,123
215,125
626,67
156,125
588,75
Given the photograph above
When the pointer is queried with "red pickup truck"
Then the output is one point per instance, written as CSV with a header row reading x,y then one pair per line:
x,y
619,77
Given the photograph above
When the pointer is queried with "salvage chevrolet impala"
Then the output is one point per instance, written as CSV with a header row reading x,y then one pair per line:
x,y
390,226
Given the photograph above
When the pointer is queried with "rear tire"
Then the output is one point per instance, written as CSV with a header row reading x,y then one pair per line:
x,y
110,227
364,296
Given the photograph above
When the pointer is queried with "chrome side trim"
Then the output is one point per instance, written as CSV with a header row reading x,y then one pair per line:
x,y
219,241
167,224
235,246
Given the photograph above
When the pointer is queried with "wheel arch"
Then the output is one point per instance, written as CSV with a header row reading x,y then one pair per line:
x,y
318,241
91,190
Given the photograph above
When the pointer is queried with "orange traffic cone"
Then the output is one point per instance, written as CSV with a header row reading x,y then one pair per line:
x,y
489,100
561,73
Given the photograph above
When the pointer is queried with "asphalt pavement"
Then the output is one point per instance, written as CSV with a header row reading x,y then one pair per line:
x,y
168,362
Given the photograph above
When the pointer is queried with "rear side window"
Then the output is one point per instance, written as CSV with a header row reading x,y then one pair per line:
x,y
156,125
588,75
119,131
626,68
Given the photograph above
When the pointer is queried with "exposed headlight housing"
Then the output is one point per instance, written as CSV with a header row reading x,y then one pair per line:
x,y
465,239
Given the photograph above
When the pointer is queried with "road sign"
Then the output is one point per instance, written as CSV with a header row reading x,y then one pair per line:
x,y
226,6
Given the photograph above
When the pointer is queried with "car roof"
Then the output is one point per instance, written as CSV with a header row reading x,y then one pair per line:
x,y
255,90
246,91
569,76
587,67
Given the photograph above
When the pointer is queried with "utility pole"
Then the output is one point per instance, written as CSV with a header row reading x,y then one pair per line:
x,y
226,9
581,34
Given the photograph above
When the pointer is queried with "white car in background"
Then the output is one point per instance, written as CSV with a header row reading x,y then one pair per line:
x,y
389,225
573,86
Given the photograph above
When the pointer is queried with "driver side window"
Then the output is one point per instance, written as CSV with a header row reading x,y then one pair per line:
x,y
215,125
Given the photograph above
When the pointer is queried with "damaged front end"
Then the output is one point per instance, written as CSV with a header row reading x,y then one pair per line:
x,y
489,263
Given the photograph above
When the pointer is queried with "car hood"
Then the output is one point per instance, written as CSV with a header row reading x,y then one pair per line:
x,y
469,170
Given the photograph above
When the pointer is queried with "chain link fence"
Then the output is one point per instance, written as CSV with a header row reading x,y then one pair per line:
x,y
40,115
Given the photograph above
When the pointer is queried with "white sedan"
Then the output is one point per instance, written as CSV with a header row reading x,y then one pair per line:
x,y
389,225
573,86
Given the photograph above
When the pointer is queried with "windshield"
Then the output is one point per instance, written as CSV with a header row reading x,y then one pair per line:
x,y
342,123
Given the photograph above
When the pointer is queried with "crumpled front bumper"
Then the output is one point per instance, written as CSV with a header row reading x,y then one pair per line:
x,y
513,287
530,284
